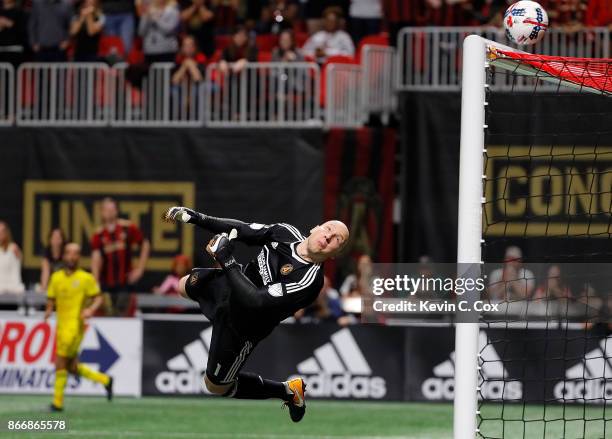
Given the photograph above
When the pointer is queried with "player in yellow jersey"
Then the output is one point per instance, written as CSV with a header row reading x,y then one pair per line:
x,y
75,295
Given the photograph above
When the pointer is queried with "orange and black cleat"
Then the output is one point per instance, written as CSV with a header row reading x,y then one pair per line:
x,y
297,404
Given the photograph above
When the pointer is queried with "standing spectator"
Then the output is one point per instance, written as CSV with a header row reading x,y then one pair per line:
x,y
511,281
365,18
238,52
190,62
86,28
277,16
48,29
402,13
52,259
287,51
10,262
226,15
198,17
314,10
120,20
359,283
13,36
112,247
331,40
159,25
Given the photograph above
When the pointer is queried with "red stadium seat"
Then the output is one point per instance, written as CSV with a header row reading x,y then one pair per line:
x,y
266,42
136,55
222,41
110,42
336,59
301,38
264,56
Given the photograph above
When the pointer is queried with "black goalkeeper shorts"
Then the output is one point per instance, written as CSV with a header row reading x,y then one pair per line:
x,y
229,349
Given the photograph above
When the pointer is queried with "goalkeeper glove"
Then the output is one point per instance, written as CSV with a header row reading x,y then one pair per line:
x,y
181,214
221,248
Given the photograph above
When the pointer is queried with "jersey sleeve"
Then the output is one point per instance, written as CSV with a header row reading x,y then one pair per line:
x,y
276,294
96,242
135,234
250,233
52,287
91,286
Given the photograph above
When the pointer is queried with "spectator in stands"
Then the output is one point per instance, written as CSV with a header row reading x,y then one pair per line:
x,y
240,51
159,26
331,40
360,282
10,262
13,35
111,259
512,281
599,13
326,308
567,14
85,29
287,51
314,9
277,16
120,20
554,286
226,15
181,266
485,12
403,13
198,17
48,29
52,259
365,18
189,62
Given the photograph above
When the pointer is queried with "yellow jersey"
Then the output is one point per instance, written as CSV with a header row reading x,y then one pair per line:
x,y
70,292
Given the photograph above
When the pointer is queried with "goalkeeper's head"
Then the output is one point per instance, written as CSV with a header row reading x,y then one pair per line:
x,y
327,240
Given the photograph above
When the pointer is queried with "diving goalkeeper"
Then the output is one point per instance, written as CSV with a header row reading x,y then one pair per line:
x,y
245,304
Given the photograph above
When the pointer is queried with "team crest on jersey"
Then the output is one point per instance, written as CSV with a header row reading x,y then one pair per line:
x,y
274,245
193,279
286,269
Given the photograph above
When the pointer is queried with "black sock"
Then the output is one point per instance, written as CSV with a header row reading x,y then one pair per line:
x,y
252,386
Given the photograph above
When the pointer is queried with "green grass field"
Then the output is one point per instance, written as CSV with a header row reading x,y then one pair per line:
x,y
209,418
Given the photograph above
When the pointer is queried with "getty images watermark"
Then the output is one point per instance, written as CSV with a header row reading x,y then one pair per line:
x,y
473,292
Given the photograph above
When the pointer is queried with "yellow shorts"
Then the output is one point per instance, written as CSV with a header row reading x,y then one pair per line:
x,y
68,342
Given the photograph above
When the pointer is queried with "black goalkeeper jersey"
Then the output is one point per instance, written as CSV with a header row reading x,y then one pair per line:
x,y
278,281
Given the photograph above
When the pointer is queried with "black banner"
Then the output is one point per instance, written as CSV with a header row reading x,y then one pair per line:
x,y
56,177
548,176
393,363
337,363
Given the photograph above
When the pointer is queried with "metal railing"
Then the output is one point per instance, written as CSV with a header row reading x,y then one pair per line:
x,y
431,57
343,96
150,97
378,68
62,94
282,94
7,94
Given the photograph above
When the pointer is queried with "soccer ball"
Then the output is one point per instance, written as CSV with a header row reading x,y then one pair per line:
x,y
525,22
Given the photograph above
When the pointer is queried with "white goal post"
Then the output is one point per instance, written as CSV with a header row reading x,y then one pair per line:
x,y
478,55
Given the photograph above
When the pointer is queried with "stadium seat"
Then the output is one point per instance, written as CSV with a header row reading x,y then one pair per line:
x,y
222,41
301,38
110,42
136,55
266,42
264,56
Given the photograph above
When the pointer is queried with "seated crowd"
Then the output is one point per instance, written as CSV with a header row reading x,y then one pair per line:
x,y
151,30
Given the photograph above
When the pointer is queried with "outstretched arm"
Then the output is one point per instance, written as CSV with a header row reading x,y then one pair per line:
x,y
252,233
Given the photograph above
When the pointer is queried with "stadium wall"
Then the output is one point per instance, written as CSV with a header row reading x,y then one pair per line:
x,y
167,357
54,177
578,124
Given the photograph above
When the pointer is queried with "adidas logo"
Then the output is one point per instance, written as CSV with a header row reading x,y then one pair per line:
x,y
591,379
338,369
184,374
493,377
